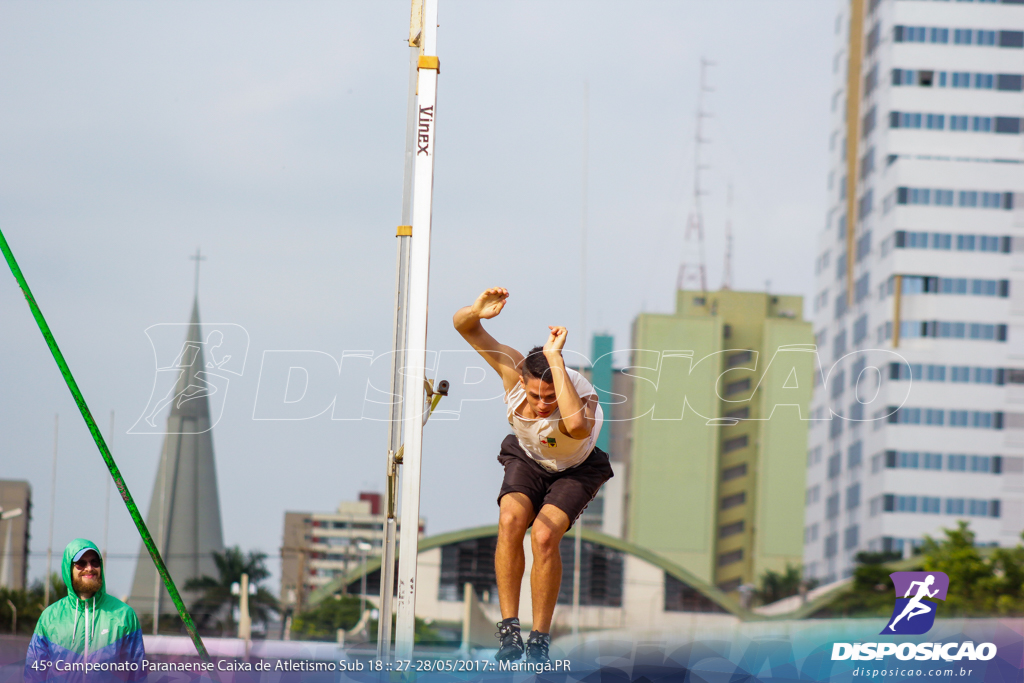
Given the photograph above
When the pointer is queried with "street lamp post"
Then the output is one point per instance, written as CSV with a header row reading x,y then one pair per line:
x,y
5,568
363,548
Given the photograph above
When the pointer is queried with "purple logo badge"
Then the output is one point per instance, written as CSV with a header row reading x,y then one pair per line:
x,y
914,614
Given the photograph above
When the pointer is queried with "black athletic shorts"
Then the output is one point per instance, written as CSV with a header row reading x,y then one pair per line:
x,y
570,490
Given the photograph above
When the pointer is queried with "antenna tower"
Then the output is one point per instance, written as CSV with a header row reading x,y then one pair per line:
x,y
693,271
727,271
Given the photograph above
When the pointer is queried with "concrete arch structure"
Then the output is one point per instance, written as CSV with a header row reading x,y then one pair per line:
x,y
655,592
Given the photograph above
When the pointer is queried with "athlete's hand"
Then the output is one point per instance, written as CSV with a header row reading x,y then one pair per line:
x,y
490,303
556,341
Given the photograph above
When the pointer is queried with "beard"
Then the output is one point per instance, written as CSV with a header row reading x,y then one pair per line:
x,y
86,584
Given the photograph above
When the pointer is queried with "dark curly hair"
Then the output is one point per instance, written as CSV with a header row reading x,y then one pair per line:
x,y
535,365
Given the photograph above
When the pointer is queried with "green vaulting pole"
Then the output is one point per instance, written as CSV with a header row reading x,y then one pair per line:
x,y
129,502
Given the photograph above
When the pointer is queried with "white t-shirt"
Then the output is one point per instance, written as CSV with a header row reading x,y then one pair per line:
x,y
541,438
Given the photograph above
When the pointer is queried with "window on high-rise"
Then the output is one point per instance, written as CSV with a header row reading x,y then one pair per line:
x,y
735,444
851,536
1013,82
1013,39
960,36
735,500
860,329
981,124
873,37
839,344
838,384
853,497
864,207
870,81
740,358
731,557
832,506
727,530
735,472
835,464
1008,125
737,387
862,288
868,122
944,197
854,454
738,414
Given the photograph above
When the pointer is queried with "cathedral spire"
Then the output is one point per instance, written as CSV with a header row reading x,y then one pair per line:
x,y
184,510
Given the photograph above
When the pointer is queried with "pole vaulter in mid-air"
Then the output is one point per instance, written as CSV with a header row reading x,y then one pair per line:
x,y
553,468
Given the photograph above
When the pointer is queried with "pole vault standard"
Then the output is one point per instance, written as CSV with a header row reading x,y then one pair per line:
x,y
414,398
404,235
108,459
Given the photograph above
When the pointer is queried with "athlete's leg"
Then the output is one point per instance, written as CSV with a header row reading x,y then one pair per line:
x,y
509,558
920,608
546,575
907,608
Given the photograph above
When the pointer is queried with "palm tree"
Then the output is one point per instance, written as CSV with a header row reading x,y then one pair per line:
x,y
216,597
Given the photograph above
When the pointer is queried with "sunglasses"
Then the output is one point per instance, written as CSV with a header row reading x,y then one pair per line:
x,y
82,564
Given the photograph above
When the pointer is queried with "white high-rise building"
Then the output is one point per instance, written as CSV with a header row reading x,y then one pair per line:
x,y
922,256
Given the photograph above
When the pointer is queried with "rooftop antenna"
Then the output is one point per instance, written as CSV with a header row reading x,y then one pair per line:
x,y
727,270
578,536
693,271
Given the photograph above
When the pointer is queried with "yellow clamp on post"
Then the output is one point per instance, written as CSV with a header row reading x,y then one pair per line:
x,y
404,231
429,62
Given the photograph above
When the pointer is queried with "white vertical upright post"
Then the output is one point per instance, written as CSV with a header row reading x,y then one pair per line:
x,y
419,281
53,502
388,546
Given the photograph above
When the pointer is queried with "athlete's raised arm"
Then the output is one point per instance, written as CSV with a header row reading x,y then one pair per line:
x,y
504,359
577,414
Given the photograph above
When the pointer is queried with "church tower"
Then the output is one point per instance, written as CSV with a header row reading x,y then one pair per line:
x,y
184,510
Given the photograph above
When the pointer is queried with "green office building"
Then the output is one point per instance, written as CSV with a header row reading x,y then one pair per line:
x,y
719,433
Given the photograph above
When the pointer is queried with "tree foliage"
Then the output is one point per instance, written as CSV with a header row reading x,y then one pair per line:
x,y
981,582
214,608
322,621
28,603
778,585
978,585
871,594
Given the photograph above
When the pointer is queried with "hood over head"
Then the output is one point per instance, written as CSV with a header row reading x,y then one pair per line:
x,y
74,548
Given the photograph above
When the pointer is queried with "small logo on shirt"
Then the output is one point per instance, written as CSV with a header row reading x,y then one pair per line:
x,y
104,631
549,442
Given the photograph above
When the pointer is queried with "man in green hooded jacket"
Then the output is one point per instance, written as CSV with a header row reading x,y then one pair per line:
x,y
88,635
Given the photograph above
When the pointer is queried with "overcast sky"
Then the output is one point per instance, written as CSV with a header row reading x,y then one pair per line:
x,y
272,135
